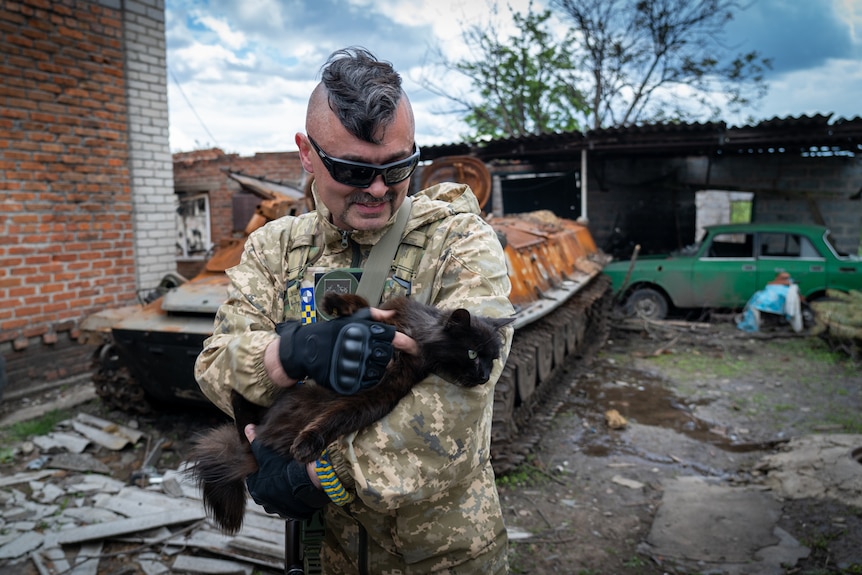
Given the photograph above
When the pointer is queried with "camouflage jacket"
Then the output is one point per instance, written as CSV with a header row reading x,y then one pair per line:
x,y
425,493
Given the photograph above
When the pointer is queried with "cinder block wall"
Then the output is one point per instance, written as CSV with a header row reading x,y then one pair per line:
x,y
85,174
652,199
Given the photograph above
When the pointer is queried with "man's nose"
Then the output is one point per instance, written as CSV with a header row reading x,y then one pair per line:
x,y
378,187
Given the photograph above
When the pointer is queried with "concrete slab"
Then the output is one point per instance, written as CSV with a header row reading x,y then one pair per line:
x,y
729,529
817,466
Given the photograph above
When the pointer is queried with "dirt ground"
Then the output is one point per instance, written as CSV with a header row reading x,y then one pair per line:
x,y
698,399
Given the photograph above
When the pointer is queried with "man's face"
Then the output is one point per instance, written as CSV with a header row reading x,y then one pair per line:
x,y
356,208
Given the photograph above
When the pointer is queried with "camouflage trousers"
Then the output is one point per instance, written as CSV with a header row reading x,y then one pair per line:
x,y
348,542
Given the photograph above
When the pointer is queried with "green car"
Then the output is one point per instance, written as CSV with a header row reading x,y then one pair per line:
x,y
731,263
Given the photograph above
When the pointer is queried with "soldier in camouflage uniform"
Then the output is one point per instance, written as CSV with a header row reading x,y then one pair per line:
x,y
414,492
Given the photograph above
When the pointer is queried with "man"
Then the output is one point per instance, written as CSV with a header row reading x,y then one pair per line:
x,y
415,491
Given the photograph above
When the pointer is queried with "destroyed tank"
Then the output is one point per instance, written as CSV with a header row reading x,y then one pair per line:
x,y
146,355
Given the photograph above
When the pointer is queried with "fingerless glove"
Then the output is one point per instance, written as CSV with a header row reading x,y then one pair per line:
x,y
282,486
344,354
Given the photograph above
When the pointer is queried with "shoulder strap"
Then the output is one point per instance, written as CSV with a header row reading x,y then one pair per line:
x,y
381,256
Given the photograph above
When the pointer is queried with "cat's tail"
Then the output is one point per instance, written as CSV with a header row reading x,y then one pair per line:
x,y
219,463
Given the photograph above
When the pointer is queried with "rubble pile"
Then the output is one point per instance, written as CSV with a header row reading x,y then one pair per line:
x,y
65,514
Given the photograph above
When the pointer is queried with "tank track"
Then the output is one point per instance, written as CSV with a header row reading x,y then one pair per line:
x,y
537,376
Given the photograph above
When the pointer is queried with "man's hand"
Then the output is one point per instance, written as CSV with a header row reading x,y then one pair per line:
x,y
276,371
344,354
282,485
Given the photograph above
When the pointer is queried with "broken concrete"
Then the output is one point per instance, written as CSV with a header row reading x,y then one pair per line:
x,y
57,520
728,529
817,466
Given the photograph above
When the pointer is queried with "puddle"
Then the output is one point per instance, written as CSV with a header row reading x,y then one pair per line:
x,y
643,399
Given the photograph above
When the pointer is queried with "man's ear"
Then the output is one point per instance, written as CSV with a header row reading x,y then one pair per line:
x,y
305,152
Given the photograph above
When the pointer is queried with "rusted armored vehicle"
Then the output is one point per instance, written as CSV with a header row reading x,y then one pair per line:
x,y
562,303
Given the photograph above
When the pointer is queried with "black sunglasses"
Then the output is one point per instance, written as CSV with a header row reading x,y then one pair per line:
x,y
361,175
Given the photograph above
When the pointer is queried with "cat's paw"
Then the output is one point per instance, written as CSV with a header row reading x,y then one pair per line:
x,y
308,446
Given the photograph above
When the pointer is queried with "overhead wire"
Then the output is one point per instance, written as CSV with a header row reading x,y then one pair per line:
x,y
189,102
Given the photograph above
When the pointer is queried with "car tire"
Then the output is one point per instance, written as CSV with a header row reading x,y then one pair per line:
x,y
647,303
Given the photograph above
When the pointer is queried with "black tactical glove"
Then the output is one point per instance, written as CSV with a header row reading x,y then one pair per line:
x,y
282,486
345,354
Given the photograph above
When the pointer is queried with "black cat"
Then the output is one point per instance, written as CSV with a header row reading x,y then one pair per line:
x,y
304,419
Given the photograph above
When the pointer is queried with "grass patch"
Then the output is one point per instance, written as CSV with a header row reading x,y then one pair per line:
x,y
849,420
34,427
525,475
803,359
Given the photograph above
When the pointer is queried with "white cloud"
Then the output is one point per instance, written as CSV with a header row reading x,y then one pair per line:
x,y
833,88
248,67
227,36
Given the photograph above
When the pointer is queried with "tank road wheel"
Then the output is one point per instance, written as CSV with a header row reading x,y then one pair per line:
x,y
544,357
647,303
526,375
559,344
504,405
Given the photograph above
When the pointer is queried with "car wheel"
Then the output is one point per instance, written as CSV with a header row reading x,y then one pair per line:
x,y
647,303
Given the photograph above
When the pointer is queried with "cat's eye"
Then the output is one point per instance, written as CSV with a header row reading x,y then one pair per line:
x,y
471,353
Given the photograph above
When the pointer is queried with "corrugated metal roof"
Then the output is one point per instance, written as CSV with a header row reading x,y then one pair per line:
x,y
777,134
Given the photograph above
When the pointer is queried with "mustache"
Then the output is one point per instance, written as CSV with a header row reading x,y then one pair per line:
x,y
366,198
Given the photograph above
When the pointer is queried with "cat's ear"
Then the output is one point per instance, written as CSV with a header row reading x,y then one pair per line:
x,y
460,318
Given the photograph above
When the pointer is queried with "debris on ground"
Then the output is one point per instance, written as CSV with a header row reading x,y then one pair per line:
x,y
839,321
614,419
64,513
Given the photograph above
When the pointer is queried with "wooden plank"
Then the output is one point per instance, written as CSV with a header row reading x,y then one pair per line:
x,y
131,525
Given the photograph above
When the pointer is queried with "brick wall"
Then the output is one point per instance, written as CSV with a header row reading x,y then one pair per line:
x,y
203,171
81,136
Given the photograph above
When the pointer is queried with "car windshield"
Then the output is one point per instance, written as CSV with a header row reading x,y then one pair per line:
x,y
831,243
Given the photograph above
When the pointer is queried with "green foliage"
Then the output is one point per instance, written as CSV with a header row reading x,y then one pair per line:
x,y
634,562
7,455
525,475
612,63
523,84
740,211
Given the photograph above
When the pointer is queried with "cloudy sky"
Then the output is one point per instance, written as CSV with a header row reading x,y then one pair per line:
x,y
239,73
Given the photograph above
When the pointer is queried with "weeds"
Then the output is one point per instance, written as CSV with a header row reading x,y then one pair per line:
x,y
525,475
27,429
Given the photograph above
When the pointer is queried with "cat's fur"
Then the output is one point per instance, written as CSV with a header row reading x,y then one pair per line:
x,y
304,419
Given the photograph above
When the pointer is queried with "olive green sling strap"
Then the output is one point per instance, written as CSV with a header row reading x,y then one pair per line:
x,y
380,259
370,287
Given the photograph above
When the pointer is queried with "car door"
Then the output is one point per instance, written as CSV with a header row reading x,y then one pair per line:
x,y
791,253
725,273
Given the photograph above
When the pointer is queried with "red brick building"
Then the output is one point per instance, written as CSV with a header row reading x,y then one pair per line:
x,y
86,184
202,175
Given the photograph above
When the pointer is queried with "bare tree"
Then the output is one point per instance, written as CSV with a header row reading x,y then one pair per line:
x,y
662,60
